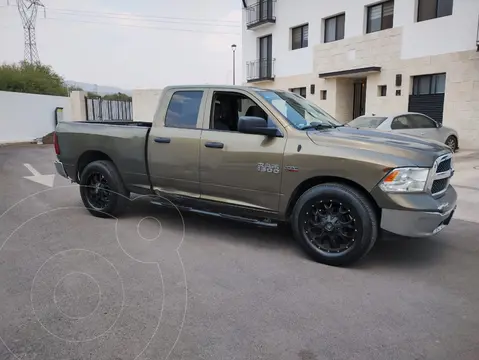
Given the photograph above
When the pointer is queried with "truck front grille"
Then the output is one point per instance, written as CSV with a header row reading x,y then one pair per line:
x,y
440,176
439,185
444,166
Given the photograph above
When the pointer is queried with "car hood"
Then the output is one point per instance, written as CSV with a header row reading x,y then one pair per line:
x,y
415,150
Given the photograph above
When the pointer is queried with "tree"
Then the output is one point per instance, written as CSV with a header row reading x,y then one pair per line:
x,y
74,88
117,96
93,95
31,78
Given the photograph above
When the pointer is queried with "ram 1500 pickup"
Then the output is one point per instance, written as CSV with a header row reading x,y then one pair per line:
x,y
269,155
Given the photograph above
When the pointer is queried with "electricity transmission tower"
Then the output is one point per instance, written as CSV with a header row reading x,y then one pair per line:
x,y
28,10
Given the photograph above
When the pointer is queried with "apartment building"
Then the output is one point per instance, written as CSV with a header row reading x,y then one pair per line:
x,y
355,57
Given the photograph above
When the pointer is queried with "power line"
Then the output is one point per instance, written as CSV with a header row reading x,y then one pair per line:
x,y
143,27
145,16
148,19
139,17
119,16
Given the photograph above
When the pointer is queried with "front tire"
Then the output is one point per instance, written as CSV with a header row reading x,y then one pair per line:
x,y
335,224
102,190
452,142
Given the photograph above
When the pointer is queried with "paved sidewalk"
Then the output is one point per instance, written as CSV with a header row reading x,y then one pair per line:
x,y
466,183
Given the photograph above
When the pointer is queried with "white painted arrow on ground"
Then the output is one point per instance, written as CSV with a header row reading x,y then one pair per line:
x,y
46,180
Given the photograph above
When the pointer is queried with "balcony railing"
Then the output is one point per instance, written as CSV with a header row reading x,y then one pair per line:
x,y
262,12
259,70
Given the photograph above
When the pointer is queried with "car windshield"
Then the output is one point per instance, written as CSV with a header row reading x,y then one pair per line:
x,y
301,113
371,122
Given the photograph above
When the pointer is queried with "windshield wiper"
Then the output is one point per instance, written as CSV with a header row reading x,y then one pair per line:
x,y
317,125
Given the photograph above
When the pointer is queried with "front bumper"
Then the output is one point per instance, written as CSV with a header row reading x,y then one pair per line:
x,y
421,222
60,169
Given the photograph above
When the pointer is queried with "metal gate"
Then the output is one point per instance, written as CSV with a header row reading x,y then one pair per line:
x,y
98,109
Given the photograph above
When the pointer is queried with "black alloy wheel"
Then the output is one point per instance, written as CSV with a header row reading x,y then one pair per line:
x,y
98,191
336,224
102,190
330,226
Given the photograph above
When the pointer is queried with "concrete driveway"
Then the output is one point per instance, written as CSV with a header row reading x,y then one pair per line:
x,y
156,284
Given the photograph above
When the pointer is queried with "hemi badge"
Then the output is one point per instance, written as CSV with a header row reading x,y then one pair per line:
x,y
291,168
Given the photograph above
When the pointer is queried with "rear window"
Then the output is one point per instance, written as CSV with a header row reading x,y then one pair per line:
x,y
183,109
367,122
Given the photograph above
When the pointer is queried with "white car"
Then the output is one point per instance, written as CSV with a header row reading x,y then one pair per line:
x,y
411,124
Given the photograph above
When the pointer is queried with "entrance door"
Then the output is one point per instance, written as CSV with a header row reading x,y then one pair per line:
x,y
359,98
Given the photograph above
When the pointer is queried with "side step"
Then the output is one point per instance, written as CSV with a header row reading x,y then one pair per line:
x,y
265,222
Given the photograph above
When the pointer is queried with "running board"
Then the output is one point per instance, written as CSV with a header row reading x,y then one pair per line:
x,y
266,222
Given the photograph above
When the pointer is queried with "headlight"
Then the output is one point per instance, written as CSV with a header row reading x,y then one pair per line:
x,y
405,180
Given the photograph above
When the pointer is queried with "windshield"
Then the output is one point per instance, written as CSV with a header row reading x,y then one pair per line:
x,y
367,122
301,113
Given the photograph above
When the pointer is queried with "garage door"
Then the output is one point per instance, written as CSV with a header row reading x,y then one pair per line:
x,y
428,95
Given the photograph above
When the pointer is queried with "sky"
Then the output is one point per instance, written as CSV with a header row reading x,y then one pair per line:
x,y
131,44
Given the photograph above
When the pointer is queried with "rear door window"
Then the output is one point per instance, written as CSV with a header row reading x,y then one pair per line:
x,y
401,123
183,109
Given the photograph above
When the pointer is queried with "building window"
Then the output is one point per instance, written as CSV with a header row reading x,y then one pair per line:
x,y
431,9
183,109
323,94
429,84
299,37
380,17
334,28
300,91
382,90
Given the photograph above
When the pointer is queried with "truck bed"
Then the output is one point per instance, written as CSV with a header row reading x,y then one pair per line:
x,y
122,142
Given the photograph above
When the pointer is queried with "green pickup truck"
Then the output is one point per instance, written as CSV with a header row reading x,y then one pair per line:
x,y
267,156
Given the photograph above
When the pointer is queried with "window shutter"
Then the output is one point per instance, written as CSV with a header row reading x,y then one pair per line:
x,y
375,12
305,32
340,20
330,30
388,9
296,38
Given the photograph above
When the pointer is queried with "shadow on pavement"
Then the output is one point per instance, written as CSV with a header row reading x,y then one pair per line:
x,y
389,251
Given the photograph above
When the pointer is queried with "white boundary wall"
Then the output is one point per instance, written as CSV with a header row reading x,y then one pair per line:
x,y
145,102
25,117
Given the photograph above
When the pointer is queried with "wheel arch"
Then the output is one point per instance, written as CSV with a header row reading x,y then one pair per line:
x,y
88,157
318,180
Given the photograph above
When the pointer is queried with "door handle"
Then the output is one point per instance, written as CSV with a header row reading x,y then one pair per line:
x,y
162,140
214,145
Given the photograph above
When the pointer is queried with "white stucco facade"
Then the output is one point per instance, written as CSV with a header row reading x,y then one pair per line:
x,y
446,44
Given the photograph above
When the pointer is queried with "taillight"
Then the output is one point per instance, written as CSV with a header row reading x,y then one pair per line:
x,y
55,143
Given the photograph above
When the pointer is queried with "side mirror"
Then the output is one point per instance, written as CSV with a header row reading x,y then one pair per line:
x,y
439,125
256,125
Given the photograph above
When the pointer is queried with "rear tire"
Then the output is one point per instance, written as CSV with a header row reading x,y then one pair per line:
x,y
452,142
335,224
102,190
